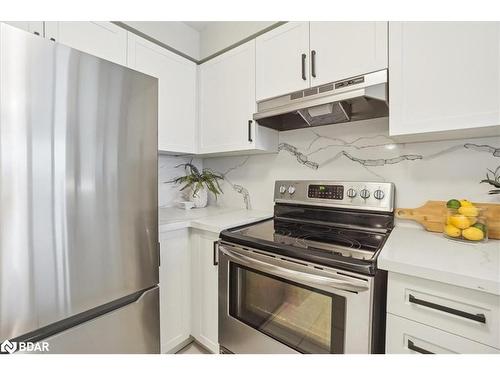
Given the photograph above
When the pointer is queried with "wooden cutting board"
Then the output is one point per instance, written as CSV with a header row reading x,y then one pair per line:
x,y
432,216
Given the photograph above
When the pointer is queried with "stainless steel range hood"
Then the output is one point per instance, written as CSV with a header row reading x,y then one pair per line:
x,y
358,98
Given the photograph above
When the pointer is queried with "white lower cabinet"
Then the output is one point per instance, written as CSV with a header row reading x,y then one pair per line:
x,y
205,289
405,336
175,289
429,316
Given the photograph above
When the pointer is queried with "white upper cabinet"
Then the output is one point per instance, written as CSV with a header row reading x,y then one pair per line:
x,y
101,39
176,94
227,104
34,27
283,60
299,55
443,76
340,50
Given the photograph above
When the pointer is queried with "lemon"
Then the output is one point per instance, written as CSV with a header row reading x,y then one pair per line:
x,y
473,234
452,231
472,220
453,203
459,221
481,226
468,211
465,203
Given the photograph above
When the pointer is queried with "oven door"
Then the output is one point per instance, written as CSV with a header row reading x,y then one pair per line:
x,y
270,304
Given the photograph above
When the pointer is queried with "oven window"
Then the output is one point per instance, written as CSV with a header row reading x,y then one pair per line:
x,y
306,319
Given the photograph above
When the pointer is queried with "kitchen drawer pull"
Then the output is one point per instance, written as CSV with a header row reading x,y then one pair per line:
x,y
313,63
250,131
304,67
476,317
418,349
216,261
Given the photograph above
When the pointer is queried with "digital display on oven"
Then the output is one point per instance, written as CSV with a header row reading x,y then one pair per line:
x,y
326,192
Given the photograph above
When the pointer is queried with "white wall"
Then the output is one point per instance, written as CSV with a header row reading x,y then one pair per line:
x,y
438,170
221,34
175,34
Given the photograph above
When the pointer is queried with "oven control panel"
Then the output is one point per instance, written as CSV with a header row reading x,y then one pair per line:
x,y
326,191
375,196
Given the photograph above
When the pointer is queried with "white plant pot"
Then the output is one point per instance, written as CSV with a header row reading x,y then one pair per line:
x,y
200,200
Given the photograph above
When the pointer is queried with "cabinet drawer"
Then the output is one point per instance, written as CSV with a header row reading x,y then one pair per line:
x,y
464,312
405,336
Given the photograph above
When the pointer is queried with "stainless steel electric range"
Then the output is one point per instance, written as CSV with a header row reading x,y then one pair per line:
x,y
306,281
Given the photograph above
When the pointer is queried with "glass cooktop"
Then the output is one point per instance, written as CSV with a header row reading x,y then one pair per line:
x,y
317,238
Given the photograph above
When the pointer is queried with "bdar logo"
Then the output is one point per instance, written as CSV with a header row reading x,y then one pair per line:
x,y
8,347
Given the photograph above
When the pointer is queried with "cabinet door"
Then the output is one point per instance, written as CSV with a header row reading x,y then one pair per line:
x,y
340,50
205,290
283,60
176,92
101,39
175,289
34,27
227,101
443,76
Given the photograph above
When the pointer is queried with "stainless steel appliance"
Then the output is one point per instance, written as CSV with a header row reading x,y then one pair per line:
x,y
78,200
352,99
306,281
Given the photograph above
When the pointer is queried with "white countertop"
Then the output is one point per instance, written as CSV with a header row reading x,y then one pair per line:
x,y
210,218
417,252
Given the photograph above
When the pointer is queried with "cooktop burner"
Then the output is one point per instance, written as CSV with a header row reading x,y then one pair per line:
x,y
340,241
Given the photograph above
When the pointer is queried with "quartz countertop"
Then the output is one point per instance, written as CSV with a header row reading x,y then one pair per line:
x,y
417,252
210,218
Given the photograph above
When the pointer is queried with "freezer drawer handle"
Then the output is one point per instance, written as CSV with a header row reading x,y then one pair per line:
x,y
476,317
418,349
216,261
297,276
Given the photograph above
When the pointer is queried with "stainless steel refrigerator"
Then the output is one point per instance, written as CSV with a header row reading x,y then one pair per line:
x,y
78,200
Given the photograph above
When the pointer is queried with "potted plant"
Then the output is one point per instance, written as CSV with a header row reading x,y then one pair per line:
x,y
199,183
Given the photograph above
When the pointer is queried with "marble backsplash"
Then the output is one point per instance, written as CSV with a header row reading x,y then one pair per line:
x,y
362,151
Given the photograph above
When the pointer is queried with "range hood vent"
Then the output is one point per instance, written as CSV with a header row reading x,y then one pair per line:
x,y
354,99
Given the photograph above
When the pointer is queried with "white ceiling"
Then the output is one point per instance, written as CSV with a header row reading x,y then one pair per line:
x,y
198,25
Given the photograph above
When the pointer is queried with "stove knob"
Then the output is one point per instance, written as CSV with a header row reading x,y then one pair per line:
x,y
282,189
379,194
365,194
351,193
291,189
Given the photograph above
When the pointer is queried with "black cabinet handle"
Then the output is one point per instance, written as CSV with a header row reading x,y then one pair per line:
x,y
418,349
250,131
476,317
52,39
36,33
313,63
216,262
304,66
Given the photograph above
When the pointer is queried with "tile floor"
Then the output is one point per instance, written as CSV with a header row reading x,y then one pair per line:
x,y
193,348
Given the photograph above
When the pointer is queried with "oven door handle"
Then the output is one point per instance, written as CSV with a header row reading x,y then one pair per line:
x,y
300,277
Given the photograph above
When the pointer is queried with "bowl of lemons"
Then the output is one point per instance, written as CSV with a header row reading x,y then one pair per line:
x,y
465,221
